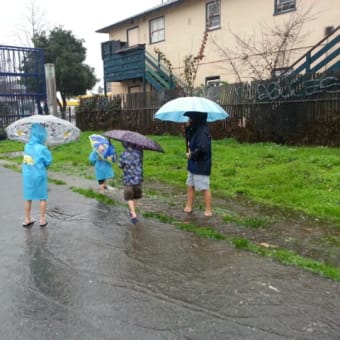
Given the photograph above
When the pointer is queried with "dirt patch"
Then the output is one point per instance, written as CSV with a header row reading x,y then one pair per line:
x,y
306,236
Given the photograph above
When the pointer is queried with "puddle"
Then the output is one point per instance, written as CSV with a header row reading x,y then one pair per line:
x,y
93,275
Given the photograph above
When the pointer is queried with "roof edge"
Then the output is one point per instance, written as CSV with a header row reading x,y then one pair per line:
x,y
168,3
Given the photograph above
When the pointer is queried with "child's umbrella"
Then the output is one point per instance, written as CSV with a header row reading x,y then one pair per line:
x,y
138,140
59,131
103,147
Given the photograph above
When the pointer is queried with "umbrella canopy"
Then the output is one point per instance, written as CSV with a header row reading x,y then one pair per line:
x,y
138,140
174,109
103,147
59,131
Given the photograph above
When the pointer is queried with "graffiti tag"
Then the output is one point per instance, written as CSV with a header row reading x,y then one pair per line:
x,y
275,90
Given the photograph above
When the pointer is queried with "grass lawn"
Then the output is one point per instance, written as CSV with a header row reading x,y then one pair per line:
x,y
303,179
298,179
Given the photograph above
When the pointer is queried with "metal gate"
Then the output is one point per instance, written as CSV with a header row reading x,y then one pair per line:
x,y
22,84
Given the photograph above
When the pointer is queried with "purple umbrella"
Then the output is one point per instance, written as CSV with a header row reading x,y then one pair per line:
x,y
140,141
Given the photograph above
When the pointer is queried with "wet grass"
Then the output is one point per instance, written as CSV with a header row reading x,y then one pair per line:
x,y
250,222
7,146
283,256
301,179
56,181
12,167
288,257
94,195
304,180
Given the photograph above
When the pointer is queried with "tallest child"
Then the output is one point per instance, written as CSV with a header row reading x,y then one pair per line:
x,y
37,158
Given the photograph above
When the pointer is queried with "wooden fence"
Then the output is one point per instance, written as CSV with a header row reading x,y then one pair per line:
x,y
299,111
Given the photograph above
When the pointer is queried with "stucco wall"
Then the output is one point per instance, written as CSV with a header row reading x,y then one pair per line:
x,y
185,24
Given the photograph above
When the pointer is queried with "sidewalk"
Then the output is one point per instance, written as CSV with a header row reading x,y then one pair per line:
x,y
90,274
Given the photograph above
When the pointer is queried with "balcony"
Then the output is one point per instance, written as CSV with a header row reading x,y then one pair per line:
x,y
123,63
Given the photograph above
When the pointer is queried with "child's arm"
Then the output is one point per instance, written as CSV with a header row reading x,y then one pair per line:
x,y
93,157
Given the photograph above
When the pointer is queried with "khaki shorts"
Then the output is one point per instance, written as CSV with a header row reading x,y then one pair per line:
x,y
199,182
132,192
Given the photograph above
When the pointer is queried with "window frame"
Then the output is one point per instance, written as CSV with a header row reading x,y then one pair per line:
x,y
211,27
212,81
127,34
284,6
156,30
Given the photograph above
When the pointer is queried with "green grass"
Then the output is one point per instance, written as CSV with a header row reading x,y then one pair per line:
x,y
290,258
94,195
283,256
250,222
301,179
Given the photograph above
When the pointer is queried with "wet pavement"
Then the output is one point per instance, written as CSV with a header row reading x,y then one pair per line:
x,y
90,274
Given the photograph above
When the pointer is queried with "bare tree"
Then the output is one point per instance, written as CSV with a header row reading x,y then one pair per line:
x,y
34,24
258,55
191,64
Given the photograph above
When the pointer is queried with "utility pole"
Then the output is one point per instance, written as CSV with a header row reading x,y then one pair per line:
x,y
51,89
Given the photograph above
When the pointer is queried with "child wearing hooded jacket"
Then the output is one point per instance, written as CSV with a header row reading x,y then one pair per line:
x,y
37,158
102,165
199,161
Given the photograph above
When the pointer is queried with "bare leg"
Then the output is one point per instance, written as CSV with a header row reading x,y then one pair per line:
x,y
42,212
132,207
207,200
190,199
102,187
28,206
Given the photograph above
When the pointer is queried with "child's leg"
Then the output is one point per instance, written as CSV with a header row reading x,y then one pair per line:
x,y
42,212
101,183
190,198
28,206
207,200
132,207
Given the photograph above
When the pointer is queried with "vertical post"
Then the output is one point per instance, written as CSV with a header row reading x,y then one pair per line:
x,y
51,89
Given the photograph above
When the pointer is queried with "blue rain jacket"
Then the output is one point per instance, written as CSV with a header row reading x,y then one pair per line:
x,y
103,169
36,160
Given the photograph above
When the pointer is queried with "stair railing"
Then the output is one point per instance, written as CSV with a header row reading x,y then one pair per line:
x,y
321,52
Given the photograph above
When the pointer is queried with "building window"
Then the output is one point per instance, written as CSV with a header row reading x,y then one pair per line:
x,y
284,6
157,30
213,15
329,30
212,81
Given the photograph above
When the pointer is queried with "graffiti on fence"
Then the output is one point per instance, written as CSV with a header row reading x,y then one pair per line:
x,y
276,90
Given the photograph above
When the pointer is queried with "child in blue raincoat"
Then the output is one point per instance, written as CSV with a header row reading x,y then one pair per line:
x,y
37,158
103,165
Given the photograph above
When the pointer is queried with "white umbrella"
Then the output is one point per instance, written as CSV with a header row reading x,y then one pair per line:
x,y
59,131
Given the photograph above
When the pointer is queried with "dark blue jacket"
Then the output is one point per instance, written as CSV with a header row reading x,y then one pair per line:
x,y
199,162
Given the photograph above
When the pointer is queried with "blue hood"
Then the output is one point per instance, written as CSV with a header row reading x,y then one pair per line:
x,y
38,134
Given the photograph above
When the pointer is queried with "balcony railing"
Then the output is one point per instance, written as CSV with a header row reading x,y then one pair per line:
x,y
125,63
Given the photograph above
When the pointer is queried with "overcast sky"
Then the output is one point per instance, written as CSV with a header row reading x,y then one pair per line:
x,y
81,17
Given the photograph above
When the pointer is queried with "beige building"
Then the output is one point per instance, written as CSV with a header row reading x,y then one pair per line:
x,y
245,40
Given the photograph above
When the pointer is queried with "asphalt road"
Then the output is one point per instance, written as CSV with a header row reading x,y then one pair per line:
x,y
90,274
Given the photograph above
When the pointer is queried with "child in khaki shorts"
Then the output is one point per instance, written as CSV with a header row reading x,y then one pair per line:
x,y
131,162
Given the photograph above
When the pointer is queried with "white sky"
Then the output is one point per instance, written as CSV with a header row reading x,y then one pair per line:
x,y
80,17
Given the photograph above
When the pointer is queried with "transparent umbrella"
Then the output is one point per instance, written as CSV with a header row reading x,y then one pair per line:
x,y
59,131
